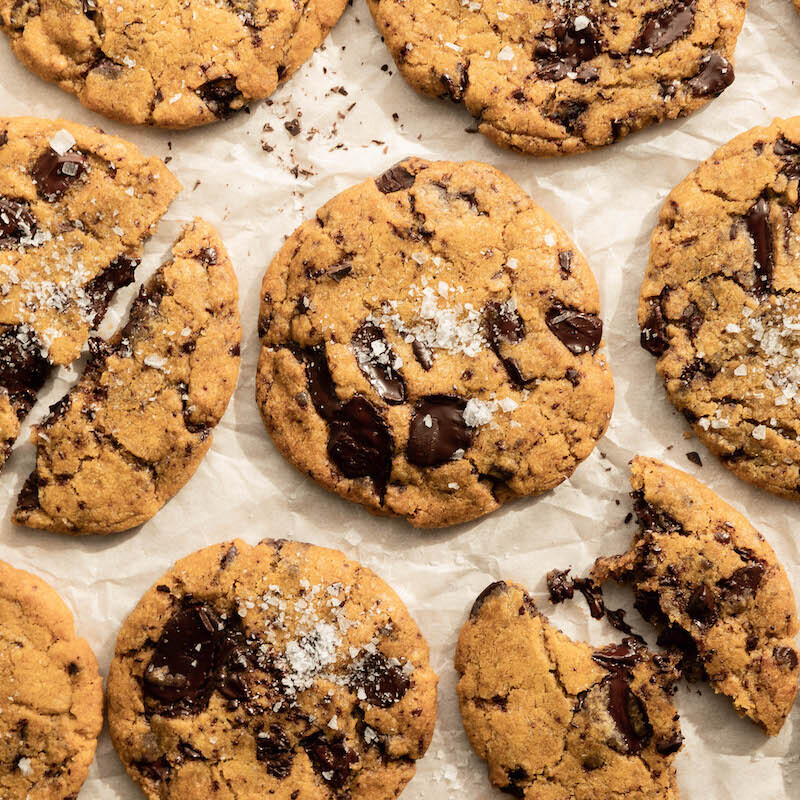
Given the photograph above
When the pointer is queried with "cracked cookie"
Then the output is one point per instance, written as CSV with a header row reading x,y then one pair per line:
x,y
51,706
172,64
136,426
282,670
715,589
553,78
75,207
431,345
720,304
559,718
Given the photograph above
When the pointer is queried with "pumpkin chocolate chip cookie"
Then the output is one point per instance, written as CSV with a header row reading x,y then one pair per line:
x,y
431,345
552,78
280,670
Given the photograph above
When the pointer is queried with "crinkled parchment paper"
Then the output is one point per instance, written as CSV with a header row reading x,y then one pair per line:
x,y
607,201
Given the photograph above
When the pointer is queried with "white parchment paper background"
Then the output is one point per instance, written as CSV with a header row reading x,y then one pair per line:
x,y
607,201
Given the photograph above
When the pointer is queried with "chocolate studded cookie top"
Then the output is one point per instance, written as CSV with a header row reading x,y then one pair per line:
x,y
301,667
560,717
173,64
720,304
552,78
431,345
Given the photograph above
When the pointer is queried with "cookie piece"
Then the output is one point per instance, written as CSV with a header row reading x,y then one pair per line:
x,y
173,64
557,78
715,588
136,426
431,345
75,207
283,670
720,304
559,718
52,693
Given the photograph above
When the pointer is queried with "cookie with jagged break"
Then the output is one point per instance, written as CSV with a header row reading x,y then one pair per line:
x,y
714,588
556,718
432,345
137,424
75,207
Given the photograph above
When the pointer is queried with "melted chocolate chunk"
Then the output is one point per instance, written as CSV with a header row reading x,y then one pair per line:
x,y
653,519
745,581
578,331
339,271
437,430
504,324
789,153
219,95
376,361
692,318
275,750
570,48
423,354
395,179
560,586
665,27
492,588
760,230
629,715
702,607
455,86
565,263
383,682
53,173
101,288
320,382
331,759
22,369
716,75
16,222
619,656
785,657
654,332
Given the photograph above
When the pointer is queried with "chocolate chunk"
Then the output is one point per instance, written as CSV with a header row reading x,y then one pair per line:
x,y
376,361
22,11
437,430
423,354
565,263
16,222
504,324
716,74
455,86
654,332
101,288
53,173
331,759
760,230
383,682
275,750
568,113
702,606
692,318
789,153
293,127
578,331
629,715
666,746
571,48
339,271
492,588
320,382
785,657
3,138
745,581
219,95
694,457
653,519
395,179
28,499
665,27
23,370
560,586
619,656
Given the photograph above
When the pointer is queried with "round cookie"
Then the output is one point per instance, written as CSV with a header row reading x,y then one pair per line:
x,y
555,78
709,581
173,64
282,670
431,345
720,304
75,207
136,426
51,710
555,718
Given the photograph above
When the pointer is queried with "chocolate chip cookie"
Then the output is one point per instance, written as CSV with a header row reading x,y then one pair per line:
x,y
551,78
720,304
280,670
172,64
558,718
136,426
431,345
51,693
75,207
715,589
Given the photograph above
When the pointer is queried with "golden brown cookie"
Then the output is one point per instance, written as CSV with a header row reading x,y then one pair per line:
x,y
720,304
431,345
714,588
173,64
552,78
555,718
282,670
135,428
75,207
51,693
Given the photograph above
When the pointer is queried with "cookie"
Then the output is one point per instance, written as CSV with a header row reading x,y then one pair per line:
x,y
75,207
431,345
172,64
720,304
136,426
550,78
280,670
558,718
714,588
51,710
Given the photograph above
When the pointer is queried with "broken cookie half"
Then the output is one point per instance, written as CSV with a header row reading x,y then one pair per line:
x,y
136,426
715,590
559,718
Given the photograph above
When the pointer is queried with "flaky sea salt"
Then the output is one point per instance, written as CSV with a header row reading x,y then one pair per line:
x,y
506,54
62,141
